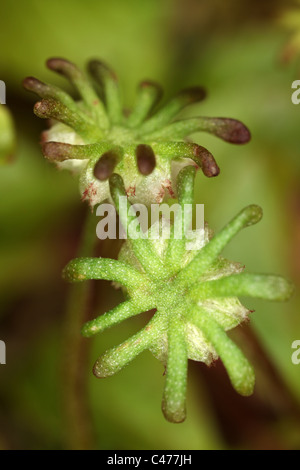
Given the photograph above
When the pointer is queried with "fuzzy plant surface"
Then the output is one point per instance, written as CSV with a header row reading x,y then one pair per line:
x,y
146,146
192,289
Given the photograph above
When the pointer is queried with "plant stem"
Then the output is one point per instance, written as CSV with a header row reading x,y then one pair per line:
x,y
78,426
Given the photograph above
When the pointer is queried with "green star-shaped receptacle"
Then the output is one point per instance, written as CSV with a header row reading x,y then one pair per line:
x,y
193,290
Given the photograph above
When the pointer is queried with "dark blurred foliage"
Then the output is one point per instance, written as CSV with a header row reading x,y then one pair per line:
x,y
234,49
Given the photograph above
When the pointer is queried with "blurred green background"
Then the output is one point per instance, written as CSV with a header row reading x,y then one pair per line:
x,y
245,54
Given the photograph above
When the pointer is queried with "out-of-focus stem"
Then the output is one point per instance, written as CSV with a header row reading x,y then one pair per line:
x,y
78,424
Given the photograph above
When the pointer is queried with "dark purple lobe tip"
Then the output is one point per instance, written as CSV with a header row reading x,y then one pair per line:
x,y
192,94
145,157
43,109
105,165
51,150
62,66
232,131
207,162
57,151
32,84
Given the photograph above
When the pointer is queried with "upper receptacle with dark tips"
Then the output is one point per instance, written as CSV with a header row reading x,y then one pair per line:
x,y
93,135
